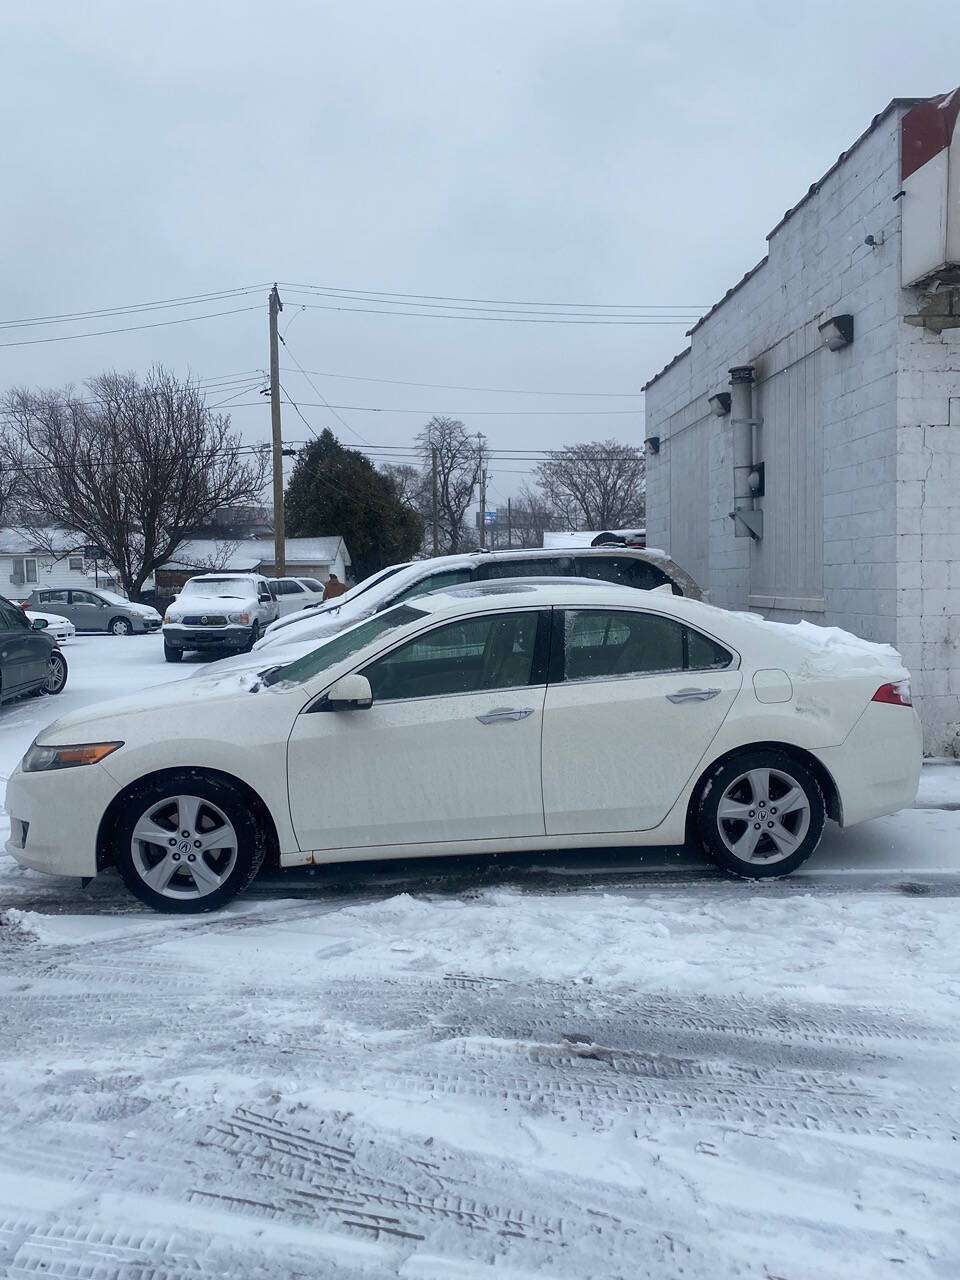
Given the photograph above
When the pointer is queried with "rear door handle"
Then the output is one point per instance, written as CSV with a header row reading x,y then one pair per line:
x,y
505,713
692,695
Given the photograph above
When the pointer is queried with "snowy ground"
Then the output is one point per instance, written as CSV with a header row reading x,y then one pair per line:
x,y
554,1068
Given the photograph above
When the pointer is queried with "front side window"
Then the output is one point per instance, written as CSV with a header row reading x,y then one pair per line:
x,y
470,656
84,597
12,618
291,588
601,643
342,646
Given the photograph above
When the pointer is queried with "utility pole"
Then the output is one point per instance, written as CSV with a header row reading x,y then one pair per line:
x,y
279,535
509,525
483,493
436,486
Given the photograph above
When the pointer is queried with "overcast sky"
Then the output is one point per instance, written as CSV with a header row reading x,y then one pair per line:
x,y
586,151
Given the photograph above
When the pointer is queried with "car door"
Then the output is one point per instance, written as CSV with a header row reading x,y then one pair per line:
x,y
635,699
449,751
86,612
24,653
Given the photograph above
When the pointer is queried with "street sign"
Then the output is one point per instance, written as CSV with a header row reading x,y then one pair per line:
x,y
92,552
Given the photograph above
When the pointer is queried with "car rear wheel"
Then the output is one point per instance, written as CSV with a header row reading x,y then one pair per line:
x,y
120,627
172,653
760,814
56,673
187,844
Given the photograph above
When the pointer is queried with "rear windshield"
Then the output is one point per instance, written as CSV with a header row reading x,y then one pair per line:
x,y
328,654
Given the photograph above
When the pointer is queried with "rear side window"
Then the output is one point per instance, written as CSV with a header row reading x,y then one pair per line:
x,y
528,567
433,582
627,571
600,644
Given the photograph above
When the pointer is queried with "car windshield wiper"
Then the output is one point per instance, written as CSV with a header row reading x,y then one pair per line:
x,y
263,678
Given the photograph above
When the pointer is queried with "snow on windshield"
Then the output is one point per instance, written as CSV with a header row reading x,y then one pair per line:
x,y
235,588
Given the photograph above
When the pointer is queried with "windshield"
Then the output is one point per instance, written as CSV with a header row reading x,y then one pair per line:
x,y
342,646
113,597
232,588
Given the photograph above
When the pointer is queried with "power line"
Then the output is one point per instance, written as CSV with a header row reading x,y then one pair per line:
x,y
454,386
157,324
325,404
511,319
187,300
674,313
467,413
442,297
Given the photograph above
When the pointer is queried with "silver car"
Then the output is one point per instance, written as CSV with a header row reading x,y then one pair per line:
x,y
94,609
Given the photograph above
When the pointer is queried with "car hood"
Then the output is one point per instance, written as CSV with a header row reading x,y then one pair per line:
x,y
192,697
52,619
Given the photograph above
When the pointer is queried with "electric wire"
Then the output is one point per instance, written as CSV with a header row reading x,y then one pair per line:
x,y
99,333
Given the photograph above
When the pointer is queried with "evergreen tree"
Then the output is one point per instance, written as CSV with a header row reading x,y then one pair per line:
x,y
337,491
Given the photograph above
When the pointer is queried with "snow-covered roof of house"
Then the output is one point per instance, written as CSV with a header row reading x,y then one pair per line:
x,y
16,541
248,554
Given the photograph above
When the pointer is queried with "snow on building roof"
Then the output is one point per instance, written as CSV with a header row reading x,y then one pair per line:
x,y
17,541
247,554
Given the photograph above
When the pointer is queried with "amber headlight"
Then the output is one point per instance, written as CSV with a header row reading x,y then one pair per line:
x,y
41,759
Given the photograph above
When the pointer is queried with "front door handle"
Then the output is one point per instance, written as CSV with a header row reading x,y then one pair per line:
x,y
505,713
692,695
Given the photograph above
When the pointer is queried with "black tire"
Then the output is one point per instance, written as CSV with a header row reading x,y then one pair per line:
x,y
120,627
758,819
149,798
171,653
254,637
56,680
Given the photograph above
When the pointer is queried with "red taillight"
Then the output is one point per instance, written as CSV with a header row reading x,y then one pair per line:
x,y
897,694
24,605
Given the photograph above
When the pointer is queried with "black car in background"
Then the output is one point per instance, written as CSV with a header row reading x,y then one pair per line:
x,y
30,661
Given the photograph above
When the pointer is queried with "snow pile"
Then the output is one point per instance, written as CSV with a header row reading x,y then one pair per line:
x,y
831,651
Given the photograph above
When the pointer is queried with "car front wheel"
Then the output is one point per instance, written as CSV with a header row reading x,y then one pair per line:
x,y
121,627
187,843
56,673
760,814
172,653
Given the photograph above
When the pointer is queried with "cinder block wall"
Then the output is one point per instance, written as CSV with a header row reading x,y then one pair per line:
x,y
862,504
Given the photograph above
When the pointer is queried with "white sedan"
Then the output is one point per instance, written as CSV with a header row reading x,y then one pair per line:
x,y
60,628
496,717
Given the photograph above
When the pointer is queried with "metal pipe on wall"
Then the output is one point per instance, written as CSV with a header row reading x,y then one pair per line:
x,y
746,516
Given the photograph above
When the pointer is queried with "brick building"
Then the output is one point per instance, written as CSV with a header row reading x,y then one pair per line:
x,y
821,479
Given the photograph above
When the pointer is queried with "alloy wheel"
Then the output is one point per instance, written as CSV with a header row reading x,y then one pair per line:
x,y
763,816
56,674
184,847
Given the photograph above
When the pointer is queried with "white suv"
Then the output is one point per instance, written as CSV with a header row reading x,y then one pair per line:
x,y
218,610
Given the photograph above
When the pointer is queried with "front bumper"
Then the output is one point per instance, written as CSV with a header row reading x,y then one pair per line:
x,y
232,636
55,818
146,624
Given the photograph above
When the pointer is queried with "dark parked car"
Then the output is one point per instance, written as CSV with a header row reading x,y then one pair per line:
x,y
30,661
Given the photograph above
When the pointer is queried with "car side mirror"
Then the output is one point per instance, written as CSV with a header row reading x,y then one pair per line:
x,y
39,624
265,599
349,693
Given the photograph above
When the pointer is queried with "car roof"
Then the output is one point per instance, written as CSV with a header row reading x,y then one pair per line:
x,y
544,593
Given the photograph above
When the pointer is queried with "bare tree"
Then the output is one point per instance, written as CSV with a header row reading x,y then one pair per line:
x,y
458,473
601,485
531,516
131,466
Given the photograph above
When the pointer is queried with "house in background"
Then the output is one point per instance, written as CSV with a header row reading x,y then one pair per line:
x,y
803,453
26,566
306,558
